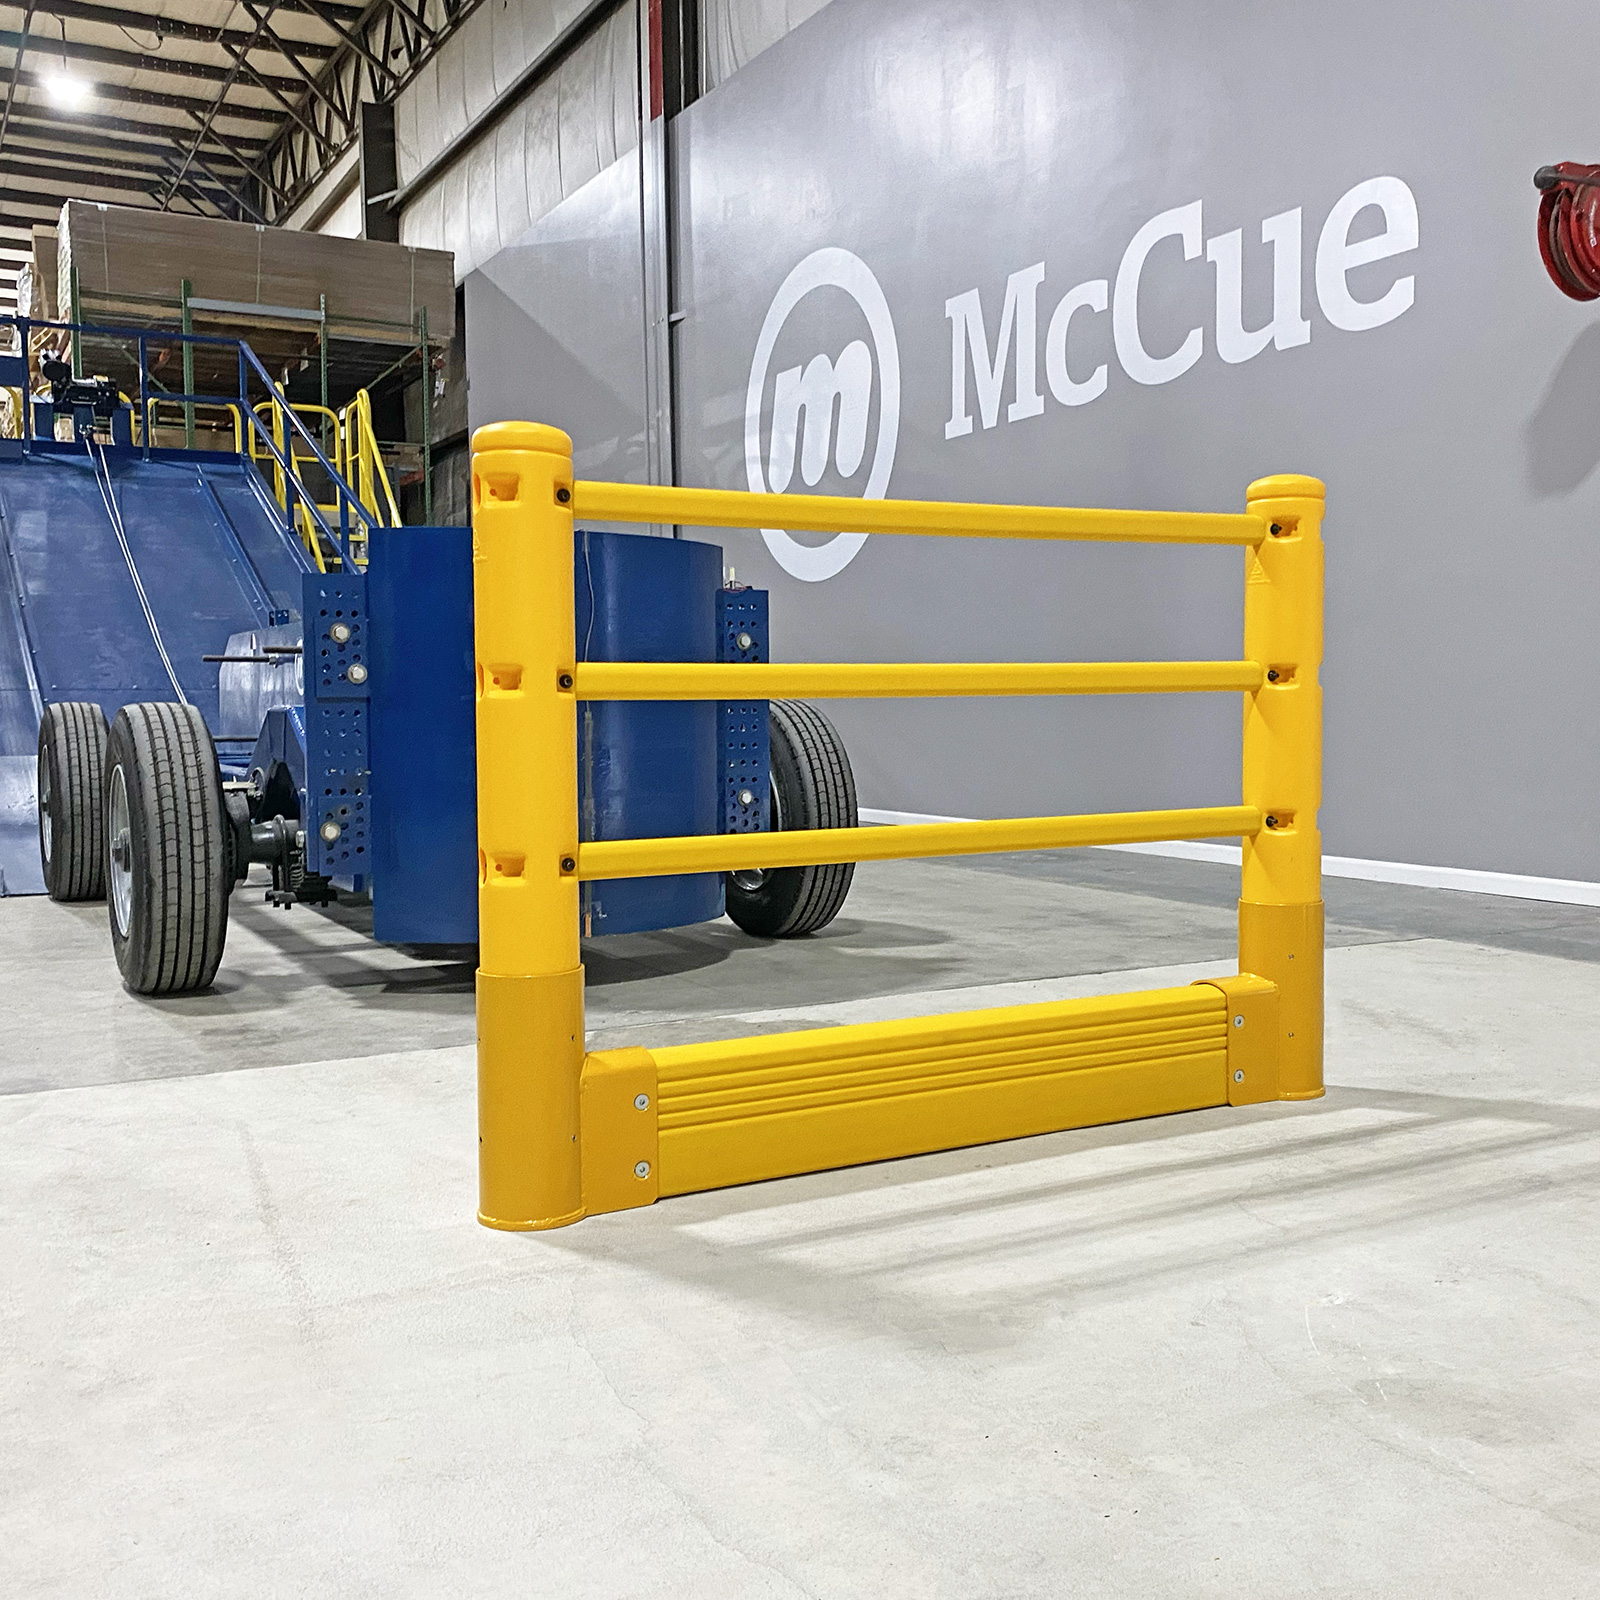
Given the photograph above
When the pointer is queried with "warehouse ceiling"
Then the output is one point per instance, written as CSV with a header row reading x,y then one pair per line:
x,y
225,108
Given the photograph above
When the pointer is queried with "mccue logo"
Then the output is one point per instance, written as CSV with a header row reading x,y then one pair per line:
x,y
804,399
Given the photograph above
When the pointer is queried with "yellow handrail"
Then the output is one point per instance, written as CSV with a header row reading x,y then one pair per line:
x,y
199,405
270,411
363,461
562,1133
354,455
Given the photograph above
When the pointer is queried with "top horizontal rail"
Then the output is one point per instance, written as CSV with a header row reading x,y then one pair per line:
x,y
738,508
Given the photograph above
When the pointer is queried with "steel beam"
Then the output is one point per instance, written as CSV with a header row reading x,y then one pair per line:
x,y
131,61
84,145
93,122
28,79
16,70
217,108
108,176
174,27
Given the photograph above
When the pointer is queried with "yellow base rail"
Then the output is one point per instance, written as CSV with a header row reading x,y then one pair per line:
x,y
689,1117
564,1134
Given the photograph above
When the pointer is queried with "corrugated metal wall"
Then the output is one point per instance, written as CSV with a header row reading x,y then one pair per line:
x,y
565,130
561,132
734,32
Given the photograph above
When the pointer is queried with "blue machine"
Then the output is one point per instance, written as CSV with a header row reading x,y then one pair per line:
x,y
273,700
644,769
118,575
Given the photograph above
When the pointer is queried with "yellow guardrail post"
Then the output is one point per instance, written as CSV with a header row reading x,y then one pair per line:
x,y
1280,905
530,982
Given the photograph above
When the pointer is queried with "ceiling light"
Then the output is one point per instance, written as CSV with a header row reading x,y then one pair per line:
x,y
66,91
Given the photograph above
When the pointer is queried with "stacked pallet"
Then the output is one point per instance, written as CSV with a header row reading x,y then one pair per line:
x,y
131,262
36,283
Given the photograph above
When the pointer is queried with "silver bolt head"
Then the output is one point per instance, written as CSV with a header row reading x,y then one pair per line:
x,y
641,1169
747,797
355,672
1238,1022
1238,1076
329,830
744,641
641,1102
340,633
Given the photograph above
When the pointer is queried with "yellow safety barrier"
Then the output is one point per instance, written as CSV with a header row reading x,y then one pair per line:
x,y
564,1133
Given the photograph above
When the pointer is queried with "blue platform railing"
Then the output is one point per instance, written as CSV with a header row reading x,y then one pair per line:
x,y
351,513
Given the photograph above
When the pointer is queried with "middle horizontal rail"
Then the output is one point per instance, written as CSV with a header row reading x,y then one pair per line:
x,y
647,680
811,847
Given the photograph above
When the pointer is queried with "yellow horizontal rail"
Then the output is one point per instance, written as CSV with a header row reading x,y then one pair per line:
x,y
645,680
734,852
737,508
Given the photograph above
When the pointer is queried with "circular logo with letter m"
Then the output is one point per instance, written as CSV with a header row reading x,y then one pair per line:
x,y
821,409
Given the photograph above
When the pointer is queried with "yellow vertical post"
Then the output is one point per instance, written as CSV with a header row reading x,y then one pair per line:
x,y
530,985
1280,905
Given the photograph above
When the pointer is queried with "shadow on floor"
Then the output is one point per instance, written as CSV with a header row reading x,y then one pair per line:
x,y
963,1248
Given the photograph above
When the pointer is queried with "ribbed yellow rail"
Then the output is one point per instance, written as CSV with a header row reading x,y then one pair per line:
x,y
738,1109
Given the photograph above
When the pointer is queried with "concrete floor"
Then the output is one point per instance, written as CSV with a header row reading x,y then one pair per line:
x,y
253,1342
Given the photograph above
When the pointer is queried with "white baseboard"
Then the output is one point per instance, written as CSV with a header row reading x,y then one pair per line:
x,y
1470,880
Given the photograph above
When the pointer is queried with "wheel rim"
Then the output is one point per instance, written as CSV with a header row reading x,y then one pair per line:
x,y
46,831
121,853
752,878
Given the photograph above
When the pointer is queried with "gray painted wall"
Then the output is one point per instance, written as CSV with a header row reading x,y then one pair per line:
x,y
951,146
555,327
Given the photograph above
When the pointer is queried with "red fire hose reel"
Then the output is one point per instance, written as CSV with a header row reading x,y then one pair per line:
x,y
1569,227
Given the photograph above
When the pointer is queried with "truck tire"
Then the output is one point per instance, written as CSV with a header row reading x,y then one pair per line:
x,y
812,787
166,853
72,835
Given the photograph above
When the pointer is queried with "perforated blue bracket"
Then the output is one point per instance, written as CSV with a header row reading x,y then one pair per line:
x,y
338,767
742,724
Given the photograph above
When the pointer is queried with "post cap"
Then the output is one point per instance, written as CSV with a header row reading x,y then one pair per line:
x,y
538,436
1284,486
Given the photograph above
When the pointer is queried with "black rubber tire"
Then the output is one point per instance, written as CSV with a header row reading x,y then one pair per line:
x,y
174,851
812,787
72,833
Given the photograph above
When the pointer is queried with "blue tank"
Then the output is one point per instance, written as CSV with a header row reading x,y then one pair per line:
x,y
645,769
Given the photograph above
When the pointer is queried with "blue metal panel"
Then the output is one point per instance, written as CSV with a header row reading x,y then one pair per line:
x,y
211,560
86,632
644,769
338,769
742,728
281,742
647,769
423,736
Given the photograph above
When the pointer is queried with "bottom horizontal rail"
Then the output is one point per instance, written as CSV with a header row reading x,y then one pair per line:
x,y
734,852
690,1117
